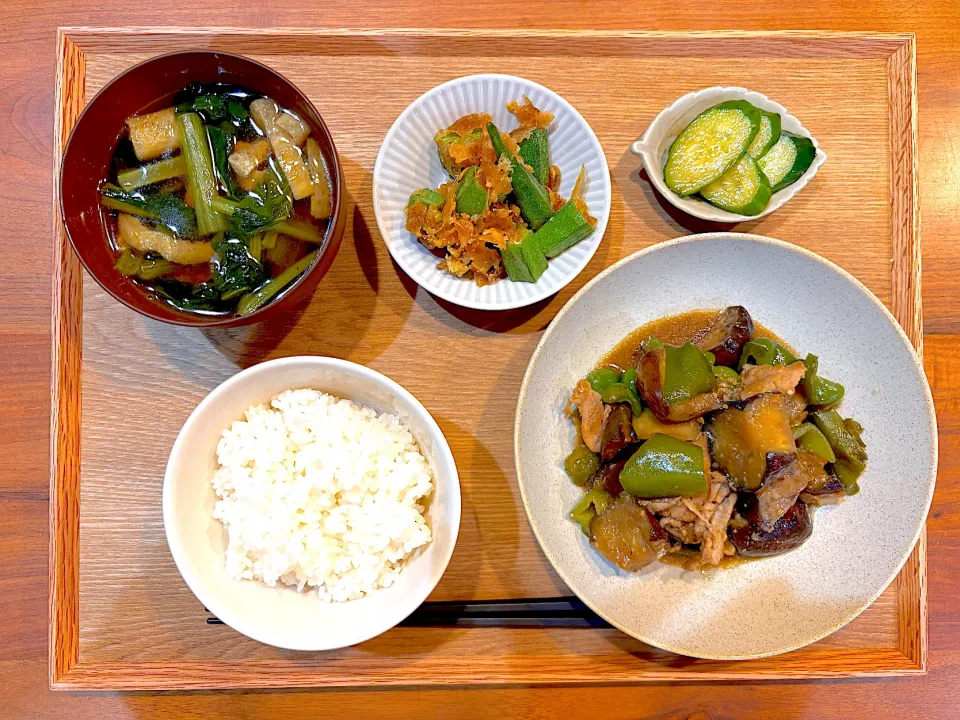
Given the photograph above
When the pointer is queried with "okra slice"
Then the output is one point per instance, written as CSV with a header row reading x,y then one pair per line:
x,y
471,195
767,136
532,198
564,230
535,152
533,256
744,189
514,263
786,161
425,196
710,145
443,141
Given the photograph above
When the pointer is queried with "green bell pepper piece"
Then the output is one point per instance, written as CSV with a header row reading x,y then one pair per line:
x,y
819,390
848,474
688,373
603,378
725,374
581,464
664,467
620,393
812,440
593,503
533,199
471,195
764,351
844,437
535,152
630,380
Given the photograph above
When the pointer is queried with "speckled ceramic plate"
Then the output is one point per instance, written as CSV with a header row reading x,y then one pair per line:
x,y
408,160
772,605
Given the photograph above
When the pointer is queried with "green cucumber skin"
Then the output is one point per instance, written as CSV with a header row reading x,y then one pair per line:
x,y
753,115
535,152
516,264
775,127
806,152
759,201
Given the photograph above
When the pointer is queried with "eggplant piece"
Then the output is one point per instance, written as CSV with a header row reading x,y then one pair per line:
x,y
830,492
651,371
617,432
785,479
727,334
657,532
742,440
789,532
607,477
624,535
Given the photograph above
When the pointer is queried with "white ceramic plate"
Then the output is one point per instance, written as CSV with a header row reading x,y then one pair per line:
x,y
408,160
280,615
654,146
771,605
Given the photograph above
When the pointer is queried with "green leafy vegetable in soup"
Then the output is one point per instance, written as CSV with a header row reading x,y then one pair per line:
x,y
214,202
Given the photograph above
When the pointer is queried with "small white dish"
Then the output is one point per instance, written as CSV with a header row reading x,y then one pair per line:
x,y
654,146
408,160
771,605
280,615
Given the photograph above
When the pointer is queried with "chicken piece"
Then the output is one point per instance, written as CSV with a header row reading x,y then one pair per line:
x,y
248,156
592,414
758,379
134,234
712,548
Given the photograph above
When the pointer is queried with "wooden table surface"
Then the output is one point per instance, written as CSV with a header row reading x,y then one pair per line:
x,y
27,32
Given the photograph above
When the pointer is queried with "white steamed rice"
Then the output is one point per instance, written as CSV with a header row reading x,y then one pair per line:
x,y
315,491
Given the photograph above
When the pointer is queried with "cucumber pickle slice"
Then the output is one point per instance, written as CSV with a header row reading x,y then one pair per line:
x,y
786,161
710,145
767,137
744,189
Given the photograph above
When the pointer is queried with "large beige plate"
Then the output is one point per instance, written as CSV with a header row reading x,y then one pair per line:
x,y
777,604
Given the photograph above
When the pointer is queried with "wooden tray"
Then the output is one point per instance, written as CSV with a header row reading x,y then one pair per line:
x,y
120,615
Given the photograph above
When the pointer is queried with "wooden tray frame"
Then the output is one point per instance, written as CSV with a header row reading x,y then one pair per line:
x,y
66,669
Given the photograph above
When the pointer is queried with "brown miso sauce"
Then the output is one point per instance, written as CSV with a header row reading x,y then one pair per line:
x,y
671,330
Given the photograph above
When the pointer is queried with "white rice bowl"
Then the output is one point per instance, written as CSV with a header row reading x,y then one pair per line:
x,y
321,494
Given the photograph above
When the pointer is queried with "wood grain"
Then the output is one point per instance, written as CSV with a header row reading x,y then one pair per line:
x,y
65,416
28,31
140,626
